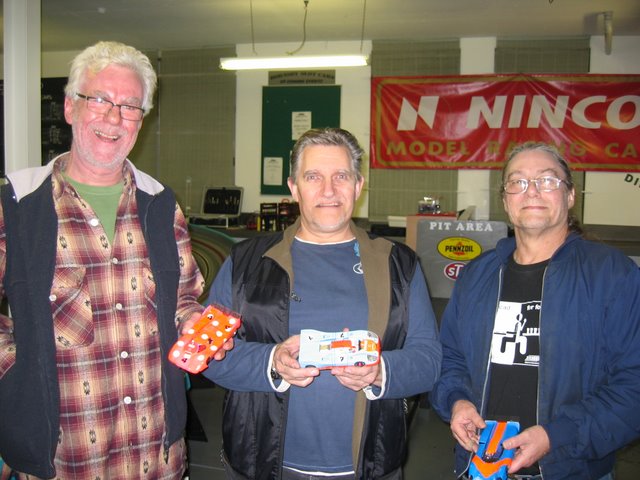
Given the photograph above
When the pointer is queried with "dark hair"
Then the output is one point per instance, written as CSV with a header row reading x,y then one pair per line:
x,y
328,137
554,153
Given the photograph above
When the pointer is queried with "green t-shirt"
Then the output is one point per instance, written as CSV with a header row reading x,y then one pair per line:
x,y
103,200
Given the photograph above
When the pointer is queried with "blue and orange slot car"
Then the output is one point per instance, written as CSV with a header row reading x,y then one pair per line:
x,y
492,460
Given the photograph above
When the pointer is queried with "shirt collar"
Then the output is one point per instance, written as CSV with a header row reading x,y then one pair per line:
x,y
28,180
60,183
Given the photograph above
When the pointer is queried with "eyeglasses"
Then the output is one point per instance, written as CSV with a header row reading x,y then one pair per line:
x,y
103,106
543,184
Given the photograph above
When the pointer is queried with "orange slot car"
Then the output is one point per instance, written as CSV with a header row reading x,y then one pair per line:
x,y
194,350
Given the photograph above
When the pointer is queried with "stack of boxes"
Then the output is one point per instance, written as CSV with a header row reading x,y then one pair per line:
x,y
277,216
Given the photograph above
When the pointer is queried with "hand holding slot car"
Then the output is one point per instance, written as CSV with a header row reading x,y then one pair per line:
x,y
492,458
205,339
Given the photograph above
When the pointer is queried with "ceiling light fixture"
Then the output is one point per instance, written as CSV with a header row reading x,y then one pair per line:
x,y
293,61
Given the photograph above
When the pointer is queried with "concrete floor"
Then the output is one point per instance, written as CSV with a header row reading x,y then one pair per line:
x,y
430,444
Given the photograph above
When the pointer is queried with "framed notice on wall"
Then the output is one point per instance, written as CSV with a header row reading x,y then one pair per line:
x,y
288,112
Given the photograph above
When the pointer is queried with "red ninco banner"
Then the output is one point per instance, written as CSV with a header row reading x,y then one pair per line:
x,y
472,121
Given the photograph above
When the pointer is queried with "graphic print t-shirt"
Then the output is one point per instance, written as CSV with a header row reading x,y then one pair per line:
x,y
515,346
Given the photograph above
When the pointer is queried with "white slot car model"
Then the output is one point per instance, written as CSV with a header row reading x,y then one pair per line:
x,y
338,349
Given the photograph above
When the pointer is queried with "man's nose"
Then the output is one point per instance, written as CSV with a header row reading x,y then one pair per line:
x,y
327,187
532,190
113,115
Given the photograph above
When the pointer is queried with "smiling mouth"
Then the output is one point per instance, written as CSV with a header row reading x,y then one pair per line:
x,y
105,136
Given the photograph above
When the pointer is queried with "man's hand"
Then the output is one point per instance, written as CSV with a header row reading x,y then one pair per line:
x,y
465,422
285,362
222,352
357,378
531,445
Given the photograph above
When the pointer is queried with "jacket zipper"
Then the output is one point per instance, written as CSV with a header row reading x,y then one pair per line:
x,y
544,276
487,366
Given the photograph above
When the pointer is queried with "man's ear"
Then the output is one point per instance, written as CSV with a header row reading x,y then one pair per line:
x,y
571,198
293,188
359,185
69,105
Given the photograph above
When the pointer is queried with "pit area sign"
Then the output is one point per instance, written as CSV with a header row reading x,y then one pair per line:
x,y
446,246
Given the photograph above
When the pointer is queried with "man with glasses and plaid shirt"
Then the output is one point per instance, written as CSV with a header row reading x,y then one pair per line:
x,y
96,264
544,330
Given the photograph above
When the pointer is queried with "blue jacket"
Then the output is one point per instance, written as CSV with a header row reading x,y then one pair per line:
x,y
589,374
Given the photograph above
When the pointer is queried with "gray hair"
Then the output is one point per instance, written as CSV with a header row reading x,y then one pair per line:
x,y
328,137
554,153
97,57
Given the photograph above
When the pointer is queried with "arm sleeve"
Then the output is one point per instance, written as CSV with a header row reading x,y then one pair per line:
x,y
7,343
191,283
455,382
245,368
415,367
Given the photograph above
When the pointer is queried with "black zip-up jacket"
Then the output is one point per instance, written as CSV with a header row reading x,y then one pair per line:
x,y
29,391
254,423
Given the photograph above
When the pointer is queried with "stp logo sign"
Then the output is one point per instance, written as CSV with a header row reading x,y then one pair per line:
x,y
452,270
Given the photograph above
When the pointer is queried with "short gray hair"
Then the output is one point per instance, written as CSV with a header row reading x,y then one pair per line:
x,y
328,137
97,57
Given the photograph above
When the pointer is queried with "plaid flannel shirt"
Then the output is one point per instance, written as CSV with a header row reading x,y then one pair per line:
x,y
107,341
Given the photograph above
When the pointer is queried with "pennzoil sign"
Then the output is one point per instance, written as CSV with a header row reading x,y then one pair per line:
x,y
459,248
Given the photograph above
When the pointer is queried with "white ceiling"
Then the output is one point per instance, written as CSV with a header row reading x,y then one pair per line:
x,y
176,24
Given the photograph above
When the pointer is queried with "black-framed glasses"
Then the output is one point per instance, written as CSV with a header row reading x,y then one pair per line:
x,y
543,184
103,106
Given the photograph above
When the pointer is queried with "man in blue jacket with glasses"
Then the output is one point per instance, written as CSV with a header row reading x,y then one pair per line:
x,y
544,330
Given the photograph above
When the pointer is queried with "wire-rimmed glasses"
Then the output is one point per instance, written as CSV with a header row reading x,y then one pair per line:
x,y
543,184
103,106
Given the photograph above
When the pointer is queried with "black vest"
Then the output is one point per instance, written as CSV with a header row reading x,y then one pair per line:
x,y
29,391
254,422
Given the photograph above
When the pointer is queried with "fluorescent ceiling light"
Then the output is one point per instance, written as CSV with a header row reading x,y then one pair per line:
x,y
274,63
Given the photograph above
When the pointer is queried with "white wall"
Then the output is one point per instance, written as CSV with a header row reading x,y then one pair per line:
x,y
22,132
355,102
612,198
57,64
